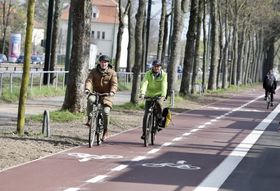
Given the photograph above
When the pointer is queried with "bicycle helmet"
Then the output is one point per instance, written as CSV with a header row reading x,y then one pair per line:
x,y
156,63
104,58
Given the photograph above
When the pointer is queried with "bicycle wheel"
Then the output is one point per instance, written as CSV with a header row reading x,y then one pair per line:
x,y
148,127
99,129
154,130
268,102
92,131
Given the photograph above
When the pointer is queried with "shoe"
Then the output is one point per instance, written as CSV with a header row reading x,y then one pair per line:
x,y
159,129
143,137
87,124
271,104
264,98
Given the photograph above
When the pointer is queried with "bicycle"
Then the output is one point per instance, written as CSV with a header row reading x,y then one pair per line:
x,y
151,126
96,127
268,100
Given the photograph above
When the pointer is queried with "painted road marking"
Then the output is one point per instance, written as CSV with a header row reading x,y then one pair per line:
x,y
153,151
72,189
84,157
120,167
240,151
166,144
177,139
138,158
219,175
96,179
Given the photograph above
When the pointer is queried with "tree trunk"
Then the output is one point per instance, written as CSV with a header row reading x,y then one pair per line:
x,y
120,33
197,47
26,68
161,31
140,17
189,49
53,60
175,46
131,42
214,43
74,100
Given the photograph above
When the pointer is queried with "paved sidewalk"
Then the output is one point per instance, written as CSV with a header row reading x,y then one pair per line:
x,y
8,112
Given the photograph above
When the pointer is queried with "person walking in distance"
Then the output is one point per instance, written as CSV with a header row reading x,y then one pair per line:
x,y
269,84
153,85
102,79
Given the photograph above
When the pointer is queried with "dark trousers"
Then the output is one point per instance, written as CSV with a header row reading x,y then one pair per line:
x,y
271,94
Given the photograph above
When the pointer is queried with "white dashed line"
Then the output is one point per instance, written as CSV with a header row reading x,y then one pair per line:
x,y
153,151
194,130
166,144
96,179
72,189
120,167
177,139
201,126
138,158
186,134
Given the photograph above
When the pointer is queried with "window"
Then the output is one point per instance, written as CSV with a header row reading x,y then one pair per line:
x,y
93,15
103,35
92,34
98,34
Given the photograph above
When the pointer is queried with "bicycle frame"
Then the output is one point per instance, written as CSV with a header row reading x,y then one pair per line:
x,y
151,126
268,100
97,120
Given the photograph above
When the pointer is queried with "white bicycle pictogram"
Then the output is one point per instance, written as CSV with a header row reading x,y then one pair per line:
x,y
83,157
179,164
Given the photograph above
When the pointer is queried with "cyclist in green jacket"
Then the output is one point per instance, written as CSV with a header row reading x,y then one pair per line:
x,y
153,85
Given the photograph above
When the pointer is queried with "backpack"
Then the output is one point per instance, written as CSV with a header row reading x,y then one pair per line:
x,y
166,117
269,81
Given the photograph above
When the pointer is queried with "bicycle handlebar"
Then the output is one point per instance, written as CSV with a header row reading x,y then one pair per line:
x,y
99,94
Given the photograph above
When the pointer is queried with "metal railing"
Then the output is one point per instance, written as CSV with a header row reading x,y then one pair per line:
x,y
12,79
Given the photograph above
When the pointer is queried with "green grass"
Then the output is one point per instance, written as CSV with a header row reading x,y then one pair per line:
x,y
58,116
44,91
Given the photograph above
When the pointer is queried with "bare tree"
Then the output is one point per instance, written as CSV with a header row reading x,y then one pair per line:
x,y
214,42
140,17
74,98
122,15
189,49
161,31
7,9
26,68
53,60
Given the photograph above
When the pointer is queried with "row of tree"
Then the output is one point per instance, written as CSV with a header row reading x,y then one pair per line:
x,y
234,39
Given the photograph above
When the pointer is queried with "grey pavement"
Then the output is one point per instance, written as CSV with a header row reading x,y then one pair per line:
x,y
8,111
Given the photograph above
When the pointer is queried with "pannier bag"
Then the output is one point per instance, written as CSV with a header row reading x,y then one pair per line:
x,y
166,117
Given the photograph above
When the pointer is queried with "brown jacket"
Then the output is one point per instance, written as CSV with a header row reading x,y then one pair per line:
x,y
102,82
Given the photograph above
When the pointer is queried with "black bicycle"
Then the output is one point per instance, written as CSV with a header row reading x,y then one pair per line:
x,y
268,100
96,127
152,122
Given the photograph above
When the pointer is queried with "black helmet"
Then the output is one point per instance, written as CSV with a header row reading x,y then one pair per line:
x,y
104,58
156,63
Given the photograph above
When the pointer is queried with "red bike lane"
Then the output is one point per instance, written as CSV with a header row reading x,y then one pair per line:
x,y
183,156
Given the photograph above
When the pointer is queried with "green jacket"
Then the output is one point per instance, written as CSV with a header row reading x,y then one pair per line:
x,y
154,86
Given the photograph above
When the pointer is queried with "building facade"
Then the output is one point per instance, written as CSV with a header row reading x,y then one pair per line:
x,y
104,28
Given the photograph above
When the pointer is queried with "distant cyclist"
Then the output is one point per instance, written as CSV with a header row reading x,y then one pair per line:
x,y
102,79
269,84
153,85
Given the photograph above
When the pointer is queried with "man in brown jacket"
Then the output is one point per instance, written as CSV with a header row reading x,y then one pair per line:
x,y
102,79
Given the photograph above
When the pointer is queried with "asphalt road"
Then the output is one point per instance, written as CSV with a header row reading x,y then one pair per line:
x,y
231,145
